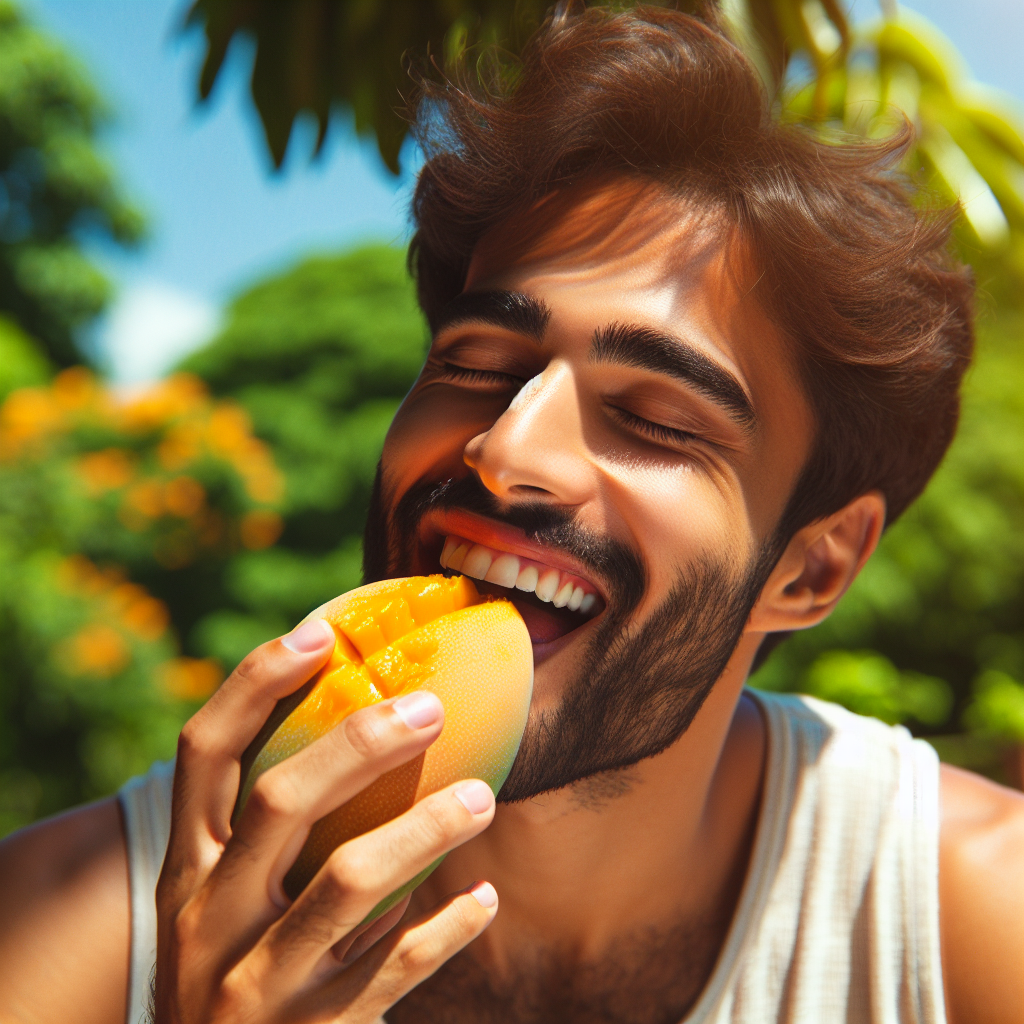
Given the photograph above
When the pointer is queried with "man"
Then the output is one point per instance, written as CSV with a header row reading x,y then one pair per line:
x,y
687,361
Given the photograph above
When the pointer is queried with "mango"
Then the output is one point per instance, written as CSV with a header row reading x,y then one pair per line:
x,y
420,633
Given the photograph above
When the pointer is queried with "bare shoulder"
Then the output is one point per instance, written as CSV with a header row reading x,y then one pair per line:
x,y
981,898
64,919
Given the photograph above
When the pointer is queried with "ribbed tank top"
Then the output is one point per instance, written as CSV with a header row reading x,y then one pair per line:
x,y
838,920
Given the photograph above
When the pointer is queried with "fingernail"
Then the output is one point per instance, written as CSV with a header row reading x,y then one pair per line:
x,y
485,895
418,709
475,796
310,636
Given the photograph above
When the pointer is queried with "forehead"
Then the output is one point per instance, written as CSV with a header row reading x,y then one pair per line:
x,y
627,250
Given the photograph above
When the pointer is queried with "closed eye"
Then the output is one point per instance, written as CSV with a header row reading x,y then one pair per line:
x,y
655,431
465,375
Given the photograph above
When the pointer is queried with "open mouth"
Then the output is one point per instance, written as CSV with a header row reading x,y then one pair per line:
x,y
552,601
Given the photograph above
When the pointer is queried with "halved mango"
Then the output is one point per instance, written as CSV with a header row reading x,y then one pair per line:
x,y
420,633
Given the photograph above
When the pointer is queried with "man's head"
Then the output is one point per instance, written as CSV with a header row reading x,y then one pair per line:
x,y
683,358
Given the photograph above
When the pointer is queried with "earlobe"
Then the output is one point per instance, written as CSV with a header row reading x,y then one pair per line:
x,y
820,562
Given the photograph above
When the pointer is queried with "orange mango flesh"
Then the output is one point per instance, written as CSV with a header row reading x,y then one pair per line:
x,y
393,637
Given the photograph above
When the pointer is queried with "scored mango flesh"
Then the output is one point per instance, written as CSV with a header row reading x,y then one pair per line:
x,y
393,637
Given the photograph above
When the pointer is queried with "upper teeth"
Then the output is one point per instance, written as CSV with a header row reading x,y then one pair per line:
x,y
561,589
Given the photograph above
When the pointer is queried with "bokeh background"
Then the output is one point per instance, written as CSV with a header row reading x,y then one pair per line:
x,y
206,326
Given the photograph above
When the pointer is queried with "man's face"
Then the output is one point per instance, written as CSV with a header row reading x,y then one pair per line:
x,y
605,432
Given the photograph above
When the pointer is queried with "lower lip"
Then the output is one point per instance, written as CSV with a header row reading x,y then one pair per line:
x,y
547,649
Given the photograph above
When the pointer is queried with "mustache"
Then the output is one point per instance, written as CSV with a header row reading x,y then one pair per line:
x,y
617,564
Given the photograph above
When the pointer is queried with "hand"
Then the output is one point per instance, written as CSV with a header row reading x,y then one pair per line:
x,y
230,947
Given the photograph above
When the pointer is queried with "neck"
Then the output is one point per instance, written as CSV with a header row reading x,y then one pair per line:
x,y
662,844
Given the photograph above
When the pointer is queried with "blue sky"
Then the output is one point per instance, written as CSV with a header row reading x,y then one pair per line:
x,y
220,217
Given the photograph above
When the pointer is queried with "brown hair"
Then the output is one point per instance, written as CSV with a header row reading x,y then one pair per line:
x,y
853,274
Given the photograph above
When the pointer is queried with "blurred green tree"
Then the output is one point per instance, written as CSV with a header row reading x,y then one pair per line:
x,y
320,357
55,187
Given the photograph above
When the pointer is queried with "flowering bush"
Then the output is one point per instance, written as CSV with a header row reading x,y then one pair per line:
x,y
118,517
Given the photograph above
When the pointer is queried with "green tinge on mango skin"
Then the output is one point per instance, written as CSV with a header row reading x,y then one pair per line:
x,y
399,894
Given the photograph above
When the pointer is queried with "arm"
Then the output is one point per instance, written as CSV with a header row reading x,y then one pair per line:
x,y
981,899
64,924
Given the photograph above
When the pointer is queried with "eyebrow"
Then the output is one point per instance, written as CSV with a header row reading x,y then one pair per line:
x,y
647,349
516,312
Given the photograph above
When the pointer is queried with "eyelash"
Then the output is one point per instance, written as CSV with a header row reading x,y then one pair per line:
x,y
655,431
463,374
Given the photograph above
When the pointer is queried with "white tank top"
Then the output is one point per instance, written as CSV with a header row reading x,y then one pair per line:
x,y
838,921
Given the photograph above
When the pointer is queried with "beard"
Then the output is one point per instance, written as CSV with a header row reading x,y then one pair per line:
x,y
639,685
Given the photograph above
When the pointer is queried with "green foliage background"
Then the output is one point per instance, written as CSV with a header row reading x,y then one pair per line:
x,y
54,183
932,632
320,357
310,367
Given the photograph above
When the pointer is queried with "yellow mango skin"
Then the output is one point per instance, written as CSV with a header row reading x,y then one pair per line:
x,y
420,633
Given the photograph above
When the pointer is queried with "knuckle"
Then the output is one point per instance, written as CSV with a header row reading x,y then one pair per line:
x,y
247,671
433,828
194,740
350,872
185,926
273,796
236,993
417,958
367,733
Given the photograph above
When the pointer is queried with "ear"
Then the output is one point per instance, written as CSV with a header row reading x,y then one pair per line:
x,y
818,565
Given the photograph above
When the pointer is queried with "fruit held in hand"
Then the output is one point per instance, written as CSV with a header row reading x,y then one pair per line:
x,y
421,633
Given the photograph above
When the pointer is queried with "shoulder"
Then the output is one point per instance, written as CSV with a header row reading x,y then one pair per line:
x,y
64,918
981,898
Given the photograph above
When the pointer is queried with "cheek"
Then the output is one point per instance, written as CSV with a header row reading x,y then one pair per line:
x,y
428,436
684,515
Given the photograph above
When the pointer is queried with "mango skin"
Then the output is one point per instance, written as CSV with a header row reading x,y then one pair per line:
x,y
395,636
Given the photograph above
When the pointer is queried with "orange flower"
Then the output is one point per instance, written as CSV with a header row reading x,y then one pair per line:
x,y
170,399
76,574
139,612
210,527
260,528
181,445
75,389
191,678
106,470
184,496
96,650
147,498
27,414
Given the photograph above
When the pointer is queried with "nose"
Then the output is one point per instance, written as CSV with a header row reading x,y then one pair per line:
x,y
535,450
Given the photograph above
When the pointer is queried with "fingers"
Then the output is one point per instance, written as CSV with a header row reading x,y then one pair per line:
x,y
288,798
408,955
356,943
365,870
213,740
